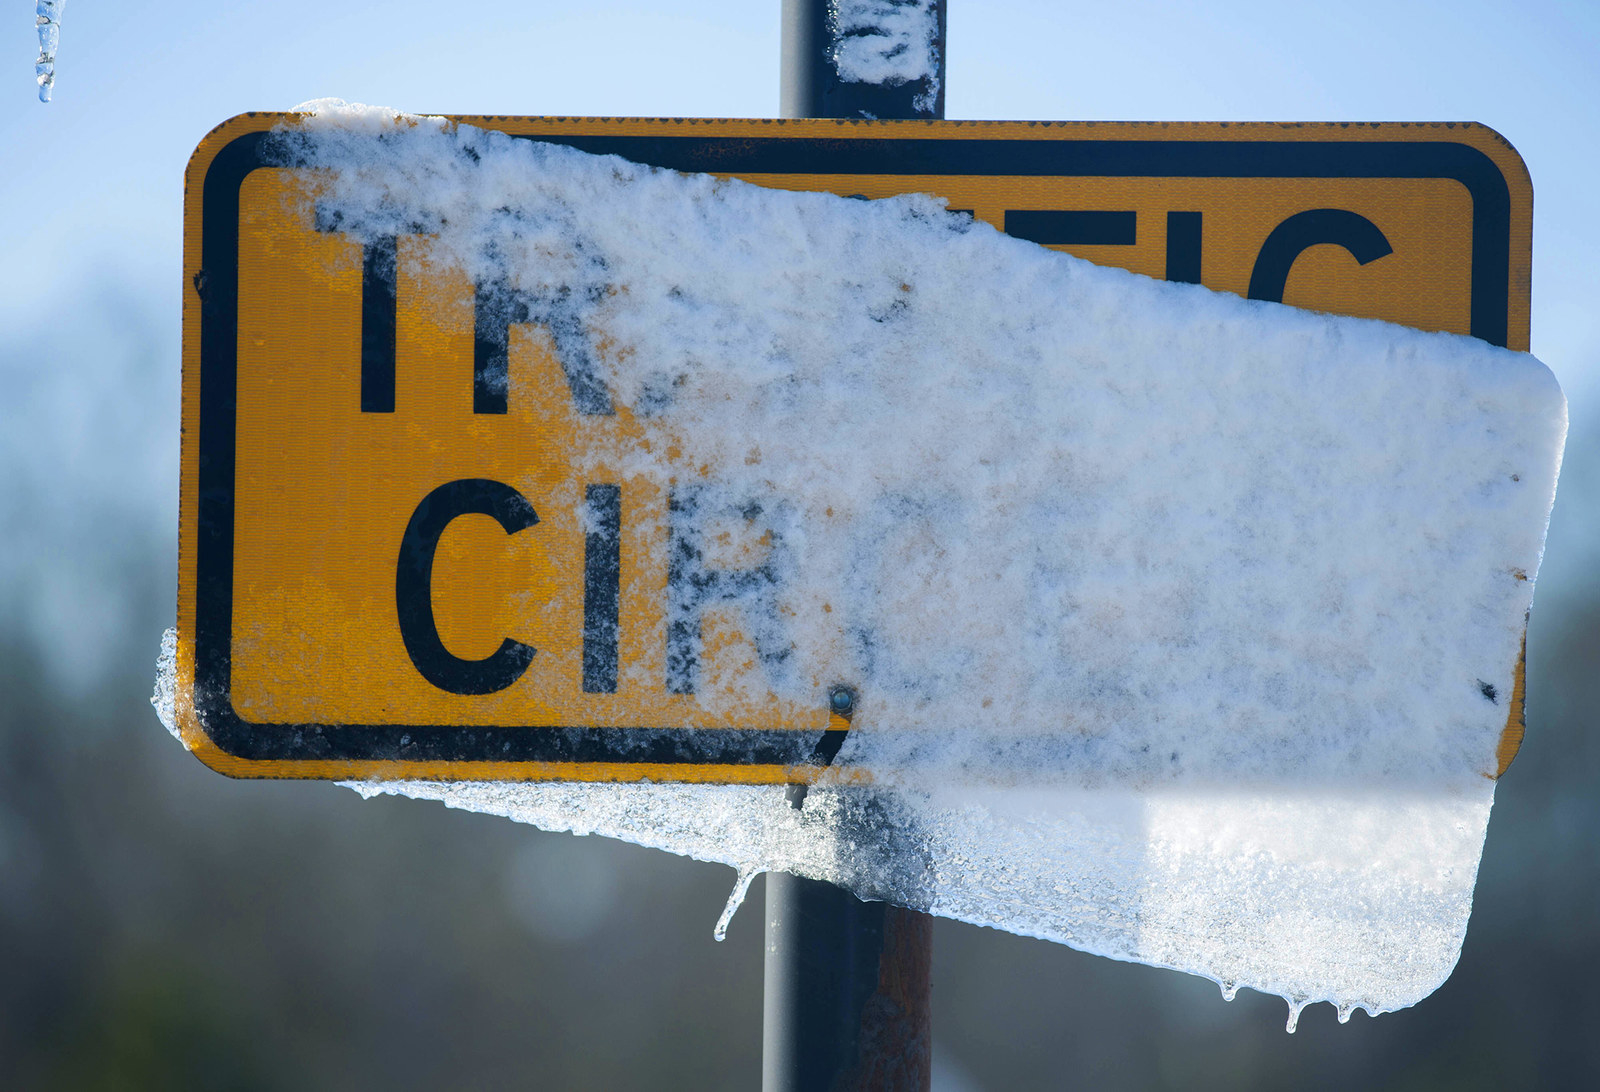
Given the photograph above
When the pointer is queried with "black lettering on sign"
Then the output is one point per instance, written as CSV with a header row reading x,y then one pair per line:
x,y
378,275
1305,230
413,586
602,585
1067,227
497,306
1183,247
692,586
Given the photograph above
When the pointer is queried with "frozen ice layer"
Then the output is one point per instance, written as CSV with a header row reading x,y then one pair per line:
x,y
1185,628
1357,898
164,699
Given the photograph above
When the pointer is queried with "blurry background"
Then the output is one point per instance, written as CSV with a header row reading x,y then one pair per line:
x,y
163,927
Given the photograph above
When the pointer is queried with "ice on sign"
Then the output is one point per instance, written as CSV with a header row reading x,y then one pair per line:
x,y
1181,628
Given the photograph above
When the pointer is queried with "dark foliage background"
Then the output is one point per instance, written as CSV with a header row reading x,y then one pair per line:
x,y
162,927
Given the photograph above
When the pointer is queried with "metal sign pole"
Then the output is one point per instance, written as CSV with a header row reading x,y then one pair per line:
x,y
847,997
811,87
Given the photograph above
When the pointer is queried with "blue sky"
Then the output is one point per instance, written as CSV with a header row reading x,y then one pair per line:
x,y
90,284
94,178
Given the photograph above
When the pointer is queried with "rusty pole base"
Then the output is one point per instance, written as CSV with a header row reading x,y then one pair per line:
x,y
848,992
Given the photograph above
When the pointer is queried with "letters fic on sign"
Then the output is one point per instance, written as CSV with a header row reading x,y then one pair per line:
x,y
361,594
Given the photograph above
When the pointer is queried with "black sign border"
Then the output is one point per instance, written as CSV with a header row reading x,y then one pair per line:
x,y
218,288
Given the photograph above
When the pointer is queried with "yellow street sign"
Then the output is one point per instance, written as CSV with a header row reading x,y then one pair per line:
x,y
356,598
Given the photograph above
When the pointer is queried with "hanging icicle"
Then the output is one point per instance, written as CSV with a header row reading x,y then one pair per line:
x,y
49,22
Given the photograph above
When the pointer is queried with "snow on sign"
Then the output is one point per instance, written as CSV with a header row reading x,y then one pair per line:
x,y
504,459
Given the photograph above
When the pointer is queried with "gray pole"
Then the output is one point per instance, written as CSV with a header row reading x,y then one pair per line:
x,y
847,993
847,999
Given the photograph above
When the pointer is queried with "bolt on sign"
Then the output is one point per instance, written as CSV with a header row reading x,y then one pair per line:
x,y
364,593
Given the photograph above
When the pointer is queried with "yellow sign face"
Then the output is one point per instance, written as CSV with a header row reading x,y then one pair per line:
x,y
355,598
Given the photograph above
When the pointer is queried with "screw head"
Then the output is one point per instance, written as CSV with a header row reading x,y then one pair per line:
x,y
842,700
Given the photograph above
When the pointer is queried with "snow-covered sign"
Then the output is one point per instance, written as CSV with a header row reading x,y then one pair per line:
x,y
1173,625
504,458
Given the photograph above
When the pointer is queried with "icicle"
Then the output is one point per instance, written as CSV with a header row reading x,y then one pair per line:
x,y
49,23
1229,991
1344,1012
741,887
1295,1008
